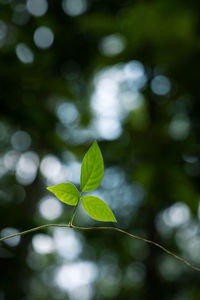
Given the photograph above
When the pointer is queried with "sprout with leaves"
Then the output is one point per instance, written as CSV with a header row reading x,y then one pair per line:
x,y
92,170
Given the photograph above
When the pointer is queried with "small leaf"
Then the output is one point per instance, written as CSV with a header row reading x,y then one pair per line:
x,y
97,209
65,192
92,169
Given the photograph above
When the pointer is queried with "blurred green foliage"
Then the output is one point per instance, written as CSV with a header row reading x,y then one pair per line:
x,y
123,72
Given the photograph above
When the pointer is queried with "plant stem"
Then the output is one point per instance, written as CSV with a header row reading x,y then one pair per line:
x,y
104,228
74,212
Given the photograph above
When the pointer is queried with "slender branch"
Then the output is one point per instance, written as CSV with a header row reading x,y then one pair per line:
x,y
144,240
105,228
32,230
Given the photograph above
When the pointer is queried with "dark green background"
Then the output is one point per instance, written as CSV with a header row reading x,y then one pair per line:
x,y
152,167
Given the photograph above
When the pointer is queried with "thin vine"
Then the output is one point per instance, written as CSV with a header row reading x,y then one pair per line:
x,y
105,228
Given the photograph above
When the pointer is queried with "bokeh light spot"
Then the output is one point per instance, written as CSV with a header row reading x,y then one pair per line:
x,y
74,8
24,53
12,242
169,268
37,8
42,243
160,85
27,166
135,275
108,128
116,94
43,37
53,170
112,45
21,140
50,208
179,127
67,244
76,275
67,113
176,215
10,159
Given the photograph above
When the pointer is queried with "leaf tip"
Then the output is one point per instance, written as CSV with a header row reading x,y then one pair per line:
x,y
95,143
49,188
113,219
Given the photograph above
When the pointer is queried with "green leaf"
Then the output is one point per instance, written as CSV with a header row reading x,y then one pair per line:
x,y
92,169
65,192
97,209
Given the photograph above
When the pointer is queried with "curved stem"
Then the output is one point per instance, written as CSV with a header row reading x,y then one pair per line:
x,y
104,228
144,240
